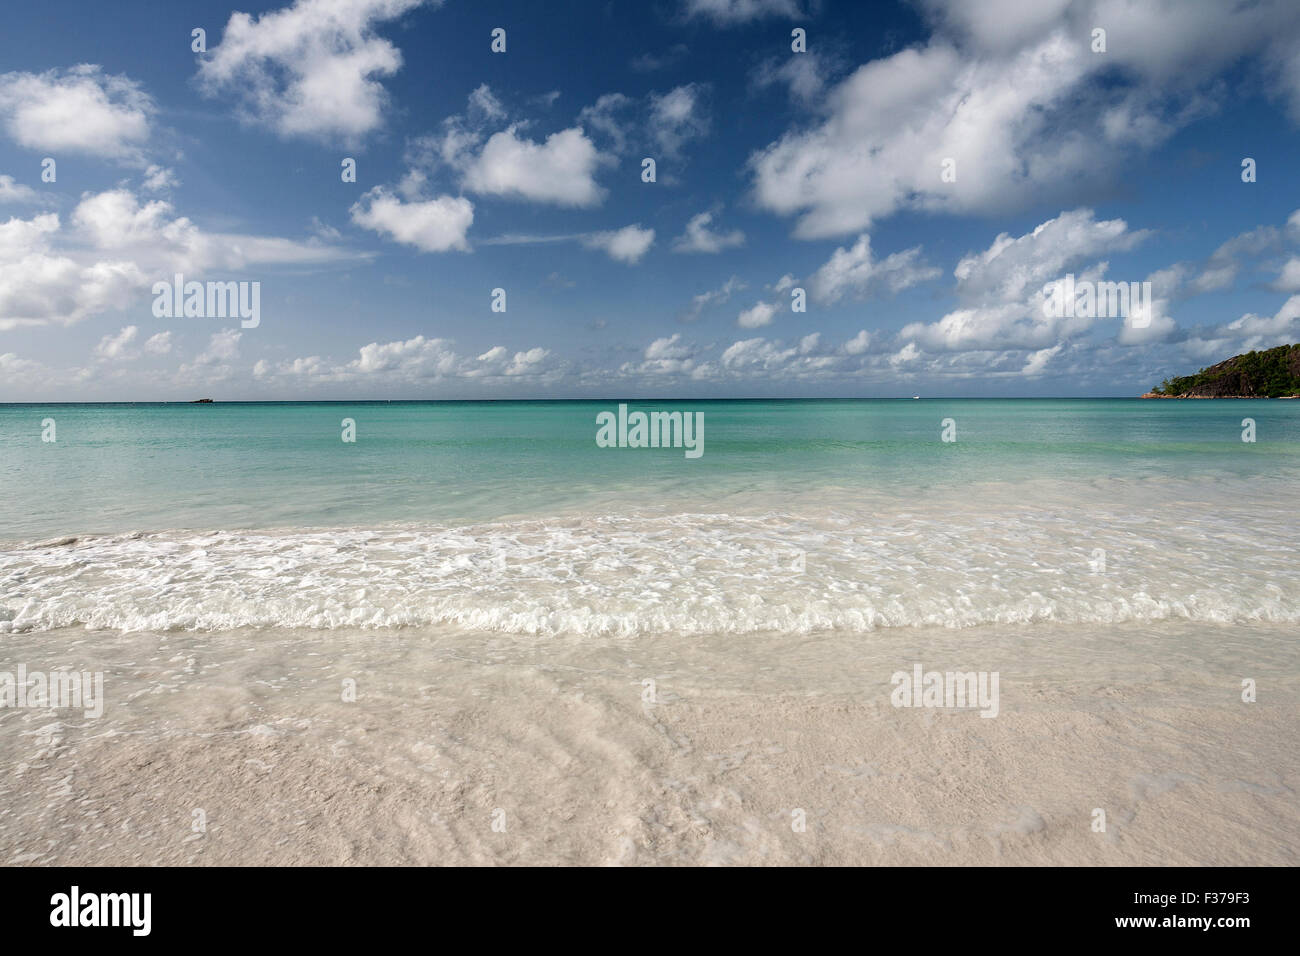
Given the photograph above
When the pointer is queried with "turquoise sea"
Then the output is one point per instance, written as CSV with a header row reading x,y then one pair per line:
x,y
154,467
800,515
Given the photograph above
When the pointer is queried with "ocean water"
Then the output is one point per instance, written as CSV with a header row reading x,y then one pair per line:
x,y
800,517
363,653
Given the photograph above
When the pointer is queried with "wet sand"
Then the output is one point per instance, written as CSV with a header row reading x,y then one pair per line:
x,y
472,748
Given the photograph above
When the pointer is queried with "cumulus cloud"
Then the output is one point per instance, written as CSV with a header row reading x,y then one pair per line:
x,y
1288,279
1003,285
14,369
431,225
313,69
858,344
159,344
667,356
493,158
1011,266
760,358
698,237
1012,100
1037,362
222,347
15,192
116,346
627,245
160,179
855,272
757,316
418,356
113,248
417,361
560,170
78,110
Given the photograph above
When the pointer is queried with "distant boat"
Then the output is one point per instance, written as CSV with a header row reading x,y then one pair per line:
x,y
916,396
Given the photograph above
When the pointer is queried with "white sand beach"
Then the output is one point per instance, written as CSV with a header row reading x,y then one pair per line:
x,y
557,743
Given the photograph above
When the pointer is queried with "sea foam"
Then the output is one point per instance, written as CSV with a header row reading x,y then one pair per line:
x,y
628,575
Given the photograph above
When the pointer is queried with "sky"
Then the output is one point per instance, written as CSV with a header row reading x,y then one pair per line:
x,y
848,199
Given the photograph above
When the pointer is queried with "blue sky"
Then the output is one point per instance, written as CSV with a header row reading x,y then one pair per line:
x,y
776,170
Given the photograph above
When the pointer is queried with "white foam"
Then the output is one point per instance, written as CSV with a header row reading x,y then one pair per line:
x,y
638,574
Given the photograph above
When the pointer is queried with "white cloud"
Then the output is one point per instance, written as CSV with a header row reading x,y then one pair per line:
x,y
718,296
1256,331
854,271
677,117
733,12
1288,279
15,370
159,344
431,225
112,249
160,179
859,343
560,171
698,237
11,191
1002,286
756,353
757,316
78,110
1038,361
803,75
39,285
1220,270
908,354
1014,100
418,356
312,69
627,245
667,348
603,117
222,347
483,104
116,346
497,361
418,361
1009,267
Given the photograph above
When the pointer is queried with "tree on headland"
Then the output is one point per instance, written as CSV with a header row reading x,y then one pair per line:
x,y
1273,373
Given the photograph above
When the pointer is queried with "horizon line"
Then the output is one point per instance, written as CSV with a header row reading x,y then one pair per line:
x,y
490,401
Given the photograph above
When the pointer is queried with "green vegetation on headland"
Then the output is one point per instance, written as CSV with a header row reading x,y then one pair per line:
x,y
1273,373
